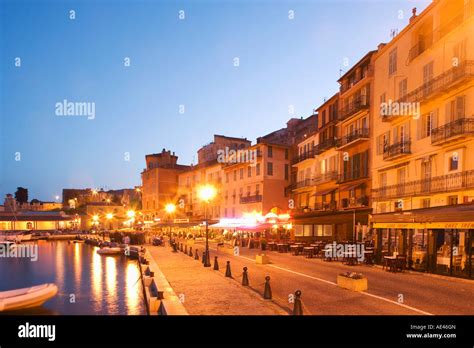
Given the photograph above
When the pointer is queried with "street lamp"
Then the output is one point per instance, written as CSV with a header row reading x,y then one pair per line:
x,y
170,208
109,217
206,193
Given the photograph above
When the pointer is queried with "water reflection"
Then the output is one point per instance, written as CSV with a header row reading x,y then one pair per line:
x,y
101,284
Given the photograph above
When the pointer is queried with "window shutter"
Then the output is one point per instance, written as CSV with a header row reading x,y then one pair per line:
x,y
460,106
434,119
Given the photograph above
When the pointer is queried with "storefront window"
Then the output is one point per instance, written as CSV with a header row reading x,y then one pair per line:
x,y
420,244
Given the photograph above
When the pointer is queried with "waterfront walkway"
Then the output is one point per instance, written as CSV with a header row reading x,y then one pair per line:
x,y
406,293
204,291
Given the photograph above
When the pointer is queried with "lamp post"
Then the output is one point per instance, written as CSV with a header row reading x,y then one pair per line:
x,y
206,193
170,209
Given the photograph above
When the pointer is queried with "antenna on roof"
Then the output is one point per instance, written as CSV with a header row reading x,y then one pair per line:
x,y
393,32
340,72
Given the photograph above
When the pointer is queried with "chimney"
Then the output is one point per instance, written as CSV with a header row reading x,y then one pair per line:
x,y
413,11
380,46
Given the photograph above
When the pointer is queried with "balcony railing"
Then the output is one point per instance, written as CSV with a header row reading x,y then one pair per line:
x,y
250,199
359,103
456,129
437,85
427,40
362,133
355,202
304,183
348,84
353,175
333,175
304,156
324,145
438,184
396,150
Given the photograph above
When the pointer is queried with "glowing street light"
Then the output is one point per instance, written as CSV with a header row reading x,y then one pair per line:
x,y
95,218
207,193
170,208
109,216
131,214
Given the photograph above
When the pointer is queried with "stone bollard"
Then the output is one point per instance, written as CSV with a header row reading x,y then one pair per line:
x,y
228,273
181,247
196,255
216,264
267,292
203,257
175,247
185,248
190,252
245,278
298,307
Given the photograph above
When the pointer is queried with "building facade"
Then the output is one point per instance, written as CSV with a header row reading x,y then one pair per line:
x,y
423,141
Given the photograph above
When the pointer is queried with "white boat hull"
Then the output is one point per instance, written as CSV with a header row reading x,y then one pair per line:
x,y
109,251
27,297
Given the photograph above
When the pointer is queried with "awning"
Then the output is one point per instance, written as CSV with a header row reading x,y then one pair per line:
x,y
428,225
258,227
324,192
349,187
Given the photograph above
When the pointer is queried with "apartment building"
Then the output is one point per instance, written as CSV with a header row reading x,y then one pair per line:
x,y
257,186
159,183
423,140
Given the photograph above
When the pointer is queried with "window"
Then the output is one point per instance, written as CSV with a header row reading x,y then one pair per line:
x,y
249,171
402,88
269,168
225,212
427,123
455,109
257,189
226,177
287,171
241,192
425,203
235,175
233,212
286,154
241,173
452,200
298,230
453,163
248,190
392,61
270,151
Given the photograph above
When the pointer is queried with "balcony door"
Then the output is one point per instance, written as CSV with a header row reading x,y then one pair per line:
x,y
401,178
426,176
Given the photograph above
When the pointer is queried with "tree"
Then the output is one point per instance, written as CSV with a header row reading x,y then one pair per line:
x,y
34,201
21,195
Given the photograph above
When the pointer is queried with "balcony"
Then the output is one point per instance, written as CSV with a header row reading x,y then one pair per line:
x,y
329,176
303,183
440,84
353,175
452,131
350,83
429,39
353,202
439,184
251,199
324,145
352,138
397,150
358,104
304,156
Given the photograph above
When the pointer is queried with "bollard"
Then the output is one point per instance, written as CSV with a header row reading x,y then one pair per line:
x,y
267,292
185,248
245,278
196,255
228,273
298,308
203,257
216,264
181,247
175,248
190,252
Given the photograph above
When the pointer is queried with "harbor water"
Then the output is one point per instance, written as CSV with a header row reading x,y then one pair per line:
x,y
88,283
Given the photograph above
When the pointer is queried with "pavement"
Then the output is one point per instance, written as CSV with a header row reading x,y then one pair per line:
x,y
406,293
204,291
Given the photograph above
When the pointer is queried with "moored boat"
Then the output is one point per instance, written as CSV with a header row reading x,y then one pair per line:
x,y
109,251
27,297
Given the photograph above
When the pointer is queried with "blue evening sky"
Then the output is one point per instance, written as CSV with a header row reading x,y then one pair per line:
x,y
173,62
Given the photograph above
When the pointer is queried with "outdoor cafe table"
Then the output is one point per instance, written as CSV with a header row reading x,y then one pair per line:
x,y
282,248
272,246
369,257
391,263
308,252
350,258
328,258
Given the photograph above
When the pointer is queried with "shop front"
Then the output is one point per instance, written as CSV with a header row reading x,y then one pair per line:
x,y
436,240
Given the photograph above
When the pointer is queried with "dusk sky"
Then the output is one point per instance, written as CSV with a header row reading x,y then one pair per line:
x,y
173,62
